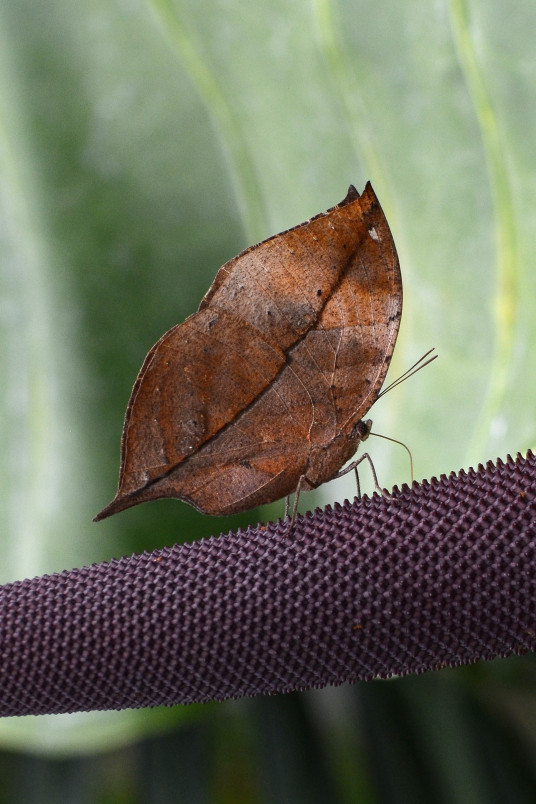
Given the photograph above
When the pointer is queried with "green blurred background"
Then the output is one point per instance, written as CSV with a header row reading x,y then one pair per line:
x,y
143,144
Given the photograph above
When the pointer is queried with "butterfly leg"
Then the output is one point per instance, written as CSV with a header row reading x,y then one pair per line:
x,y
287,506
357,483
353,466
295,506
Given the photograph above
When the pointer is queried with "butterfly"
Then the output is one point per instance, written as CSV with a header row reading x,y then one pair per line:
x,y
263,390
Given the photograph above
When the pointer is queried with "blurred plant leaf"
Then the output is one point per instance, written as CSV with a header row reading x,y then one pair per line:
x,y
144,144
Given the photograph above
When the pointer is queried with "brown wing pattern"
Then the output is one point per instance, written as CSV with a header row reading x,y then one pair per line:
x,y
197,378
364,314
288,351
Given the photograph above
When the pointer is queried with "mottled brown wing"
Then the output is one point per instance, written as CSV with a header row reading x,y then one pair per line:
x,y
288,350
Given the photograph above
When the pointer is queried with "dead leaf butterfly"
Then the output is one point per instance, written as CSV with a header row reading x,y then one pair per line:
x,y
263,390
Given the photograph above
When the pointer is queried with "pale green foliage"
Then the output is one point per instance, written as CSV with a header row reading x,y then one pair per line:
x,y
144,144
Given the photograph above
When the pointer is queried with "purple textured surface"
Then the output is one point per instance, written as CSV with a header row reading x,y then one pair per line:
x,y
439,575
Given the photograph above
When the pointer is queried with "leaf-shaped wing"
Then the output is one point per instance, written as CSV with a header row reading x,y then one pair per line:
x,y
266,381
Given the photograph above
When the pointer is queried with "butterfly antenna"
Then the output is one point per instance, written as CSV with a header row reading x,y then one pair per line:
x,y
410,372
395,441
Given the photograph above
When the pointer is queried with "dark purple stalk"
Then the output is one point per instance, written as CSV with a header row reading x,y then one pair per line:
x,y
439,575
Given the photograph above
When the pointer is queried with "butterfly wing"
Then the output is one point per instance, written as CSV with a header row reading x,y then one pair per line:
x,y
290,344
